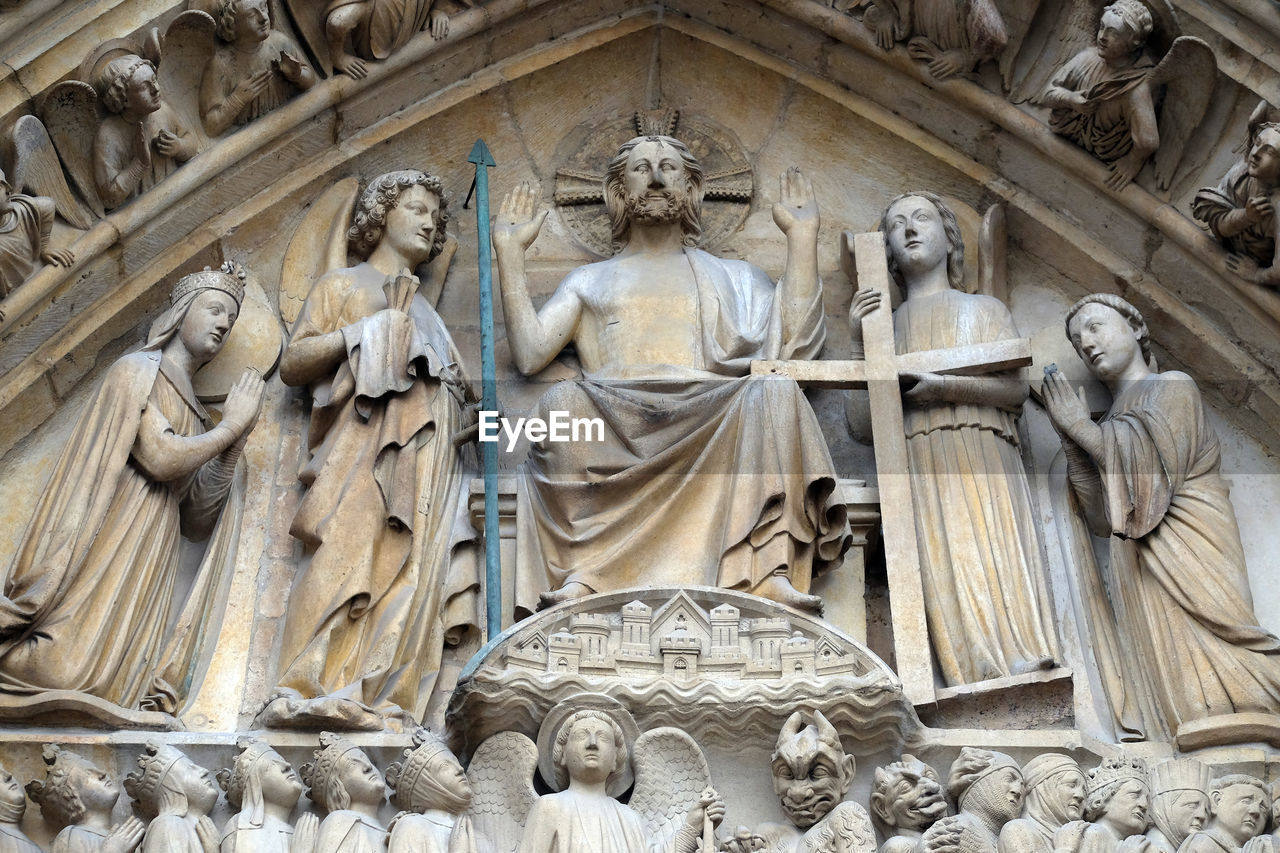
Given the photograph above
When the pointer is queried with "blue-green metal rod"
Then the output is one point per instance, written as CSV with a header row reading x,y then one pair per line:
x,y
482,159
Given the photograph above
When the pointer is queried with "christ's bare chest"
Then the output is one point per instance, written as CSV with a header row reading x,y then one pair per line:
x,y
644,310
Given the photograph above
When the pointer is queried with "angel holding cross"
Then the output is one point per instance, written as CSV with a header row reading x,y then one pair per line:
x,y
982,573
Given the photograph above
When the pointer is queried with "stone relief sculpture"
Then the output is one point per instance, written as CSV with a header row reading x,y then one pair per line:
x,y
1055,797
1179,802
661,326
26,224
952,36
1240,210
989,791
906,799
254,68
142,139
811,775
986,598
124,125
584,758
78,798
379,592
345,784
1116,810
1148,476
13,805
1238,805
1138,91
350,33
89,591
1269,842
177,795
264,789
433,796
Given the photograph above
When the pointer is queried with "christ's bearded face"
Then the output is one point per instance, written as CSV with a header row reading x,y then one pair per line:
x,y
656,183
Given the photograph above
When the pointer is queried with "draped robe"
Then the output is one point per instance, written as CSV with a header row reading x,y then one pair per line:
x,y
1104,131
1183,591
705,476
381,588
88,595
985,594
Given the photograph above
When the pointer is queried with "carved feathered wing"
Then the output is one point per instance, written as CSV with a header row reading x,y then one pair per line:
x,y
188,45
70,114
319,245
1188,71
308,17
1048,38
37,171
501,777
671,774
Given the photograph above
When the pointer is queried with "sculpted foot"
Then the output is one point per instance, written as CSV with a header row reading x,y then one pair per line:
x,y
568,592
779,589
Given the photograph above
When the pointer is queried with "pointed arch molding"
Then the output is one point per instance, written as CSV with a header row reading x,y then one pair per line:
x,y
1144,247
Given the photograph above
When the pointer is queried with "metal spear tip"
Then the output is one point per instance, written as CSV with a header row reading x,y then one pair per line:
x,y
480,154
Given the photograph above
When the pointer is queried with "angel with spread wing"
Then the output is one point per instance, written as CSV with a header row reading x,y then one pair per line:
x,y
1115,100
585,759
26,224
150,126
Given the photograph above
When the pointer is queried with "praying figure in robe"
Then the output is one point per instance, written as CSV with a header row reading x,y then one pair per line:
x,y
1148,477
265,789
253,69
79,797
1055,797
1179,802
13,805
1240,210
89,591
379,592
985,593
178,795
705,476
433,795
344,783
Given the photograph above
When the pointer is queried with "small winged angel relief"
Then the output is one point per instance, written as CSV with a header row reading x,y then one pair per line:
x,y
1137,92
128,120
586,758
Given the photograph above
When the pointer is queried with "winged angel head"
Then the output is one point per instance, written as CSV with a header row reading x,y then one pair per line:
x,y
1121,82
589,751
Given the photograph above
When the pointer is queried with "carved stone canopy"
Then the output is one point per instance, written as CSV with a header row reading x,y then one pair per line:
x,y
722,665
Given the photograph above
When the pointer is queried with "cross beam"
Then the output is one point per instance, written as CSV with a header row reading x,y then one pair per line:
x,y
879,373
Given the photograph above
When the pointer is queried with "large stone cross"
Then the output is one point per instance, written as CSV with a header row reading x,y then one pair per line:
x,y
879,373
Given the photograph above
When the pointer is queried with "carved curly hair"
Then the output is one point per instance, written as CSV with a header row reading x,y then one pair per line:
x,y
1125,310
562,740
615,191
380,198
114,86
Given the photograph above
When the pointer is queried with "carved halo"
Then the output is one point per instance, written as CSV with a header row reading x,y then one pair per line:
x,y
556,717
586,151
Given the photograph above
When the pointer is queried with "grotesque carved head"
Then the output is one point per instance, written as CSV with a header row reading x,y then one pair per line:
x,y
653,178
906,796
1055,789
950,240
988,784
73,787
369,223
588,744
811,772
1239,805
429,777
